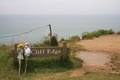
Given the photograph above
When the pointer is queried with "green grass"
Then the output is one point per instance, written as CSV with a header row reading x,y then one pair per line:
x,y
71,43
116,61
91,35
6,69
47,42
94,76
49,65
45,65
71,39
43,43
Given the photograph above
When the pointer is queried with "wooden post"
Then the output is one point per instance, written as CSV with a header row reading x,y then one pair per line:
x,y
19,70
15,55
50,30
65,54
26,63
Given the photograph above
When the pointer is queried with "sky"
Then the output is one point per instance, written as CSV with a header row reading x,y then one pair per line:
x,y
94,7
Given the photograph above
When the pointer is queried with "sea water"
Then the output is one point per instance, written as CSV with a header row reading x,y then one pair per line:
x,y
62,25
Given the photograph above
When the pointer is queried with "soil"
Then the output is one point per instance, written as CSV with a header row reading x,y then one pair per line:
x,y
94,58
98,52
107,43
95,61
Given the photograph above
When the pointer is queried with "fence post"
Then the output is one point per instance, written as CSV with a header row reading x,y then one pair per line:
x,y
15,55
65,54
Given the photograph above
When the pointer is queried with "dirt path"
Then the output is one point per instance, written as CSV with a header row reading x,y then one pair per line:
x,y
107,43
95,61
95,58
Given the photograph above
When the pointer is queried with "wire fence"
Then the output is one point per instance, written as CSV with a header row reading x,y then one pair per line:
x,y
29,31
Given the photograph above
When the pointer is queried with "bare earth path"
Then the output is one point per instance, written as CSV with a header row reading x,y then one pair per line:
x,y
107,43
95,58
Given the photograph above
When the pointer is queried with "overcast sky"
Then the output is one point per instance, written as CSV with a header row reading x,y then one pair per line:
x,y
94,7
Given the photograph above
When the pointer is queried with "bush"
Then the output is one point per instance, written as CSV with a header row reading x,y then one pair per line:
x,y
87,35
91,35
110,31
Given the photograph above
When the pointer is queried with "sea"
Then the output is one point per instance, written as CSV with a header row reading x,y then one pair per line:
x,y
32,28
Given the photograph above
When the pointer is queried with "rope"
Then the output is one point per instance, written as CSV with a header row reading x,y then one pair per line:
x,y
22,33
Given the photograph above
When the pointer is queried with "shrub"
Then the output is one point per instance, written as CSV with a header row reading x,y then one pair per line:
x,y
87,35
90,35
110,31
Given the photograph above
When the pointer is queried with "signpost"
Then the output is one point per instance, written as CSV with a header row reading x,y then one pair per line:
x,y
40,52
63,52
43,52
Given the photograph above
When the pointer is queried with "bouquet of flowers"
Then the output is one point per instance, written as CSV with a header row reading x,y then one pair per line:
x,y
20,50
21,46
27,49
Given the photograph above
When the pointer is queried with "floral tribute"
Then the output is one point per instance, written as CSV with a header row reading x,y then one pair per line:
x,y
23,49
20,50
21,46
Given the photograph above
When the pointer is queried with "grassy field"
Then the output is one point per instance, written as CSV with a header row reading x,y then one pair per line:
x,y
6,66
47,66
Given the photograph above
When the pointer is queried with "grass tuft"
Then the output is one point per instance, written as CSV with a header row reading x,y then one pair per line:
x,y
91,35
6,67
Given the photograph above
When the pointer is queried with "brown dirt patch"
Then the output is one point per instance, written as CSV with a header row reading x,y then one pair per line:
x,y
94,58
107,43
95,61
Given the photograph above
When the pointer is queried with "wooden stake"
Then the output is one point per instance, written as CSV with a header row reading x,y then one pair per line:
x,y
19,66
26,60
50,30
15,55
